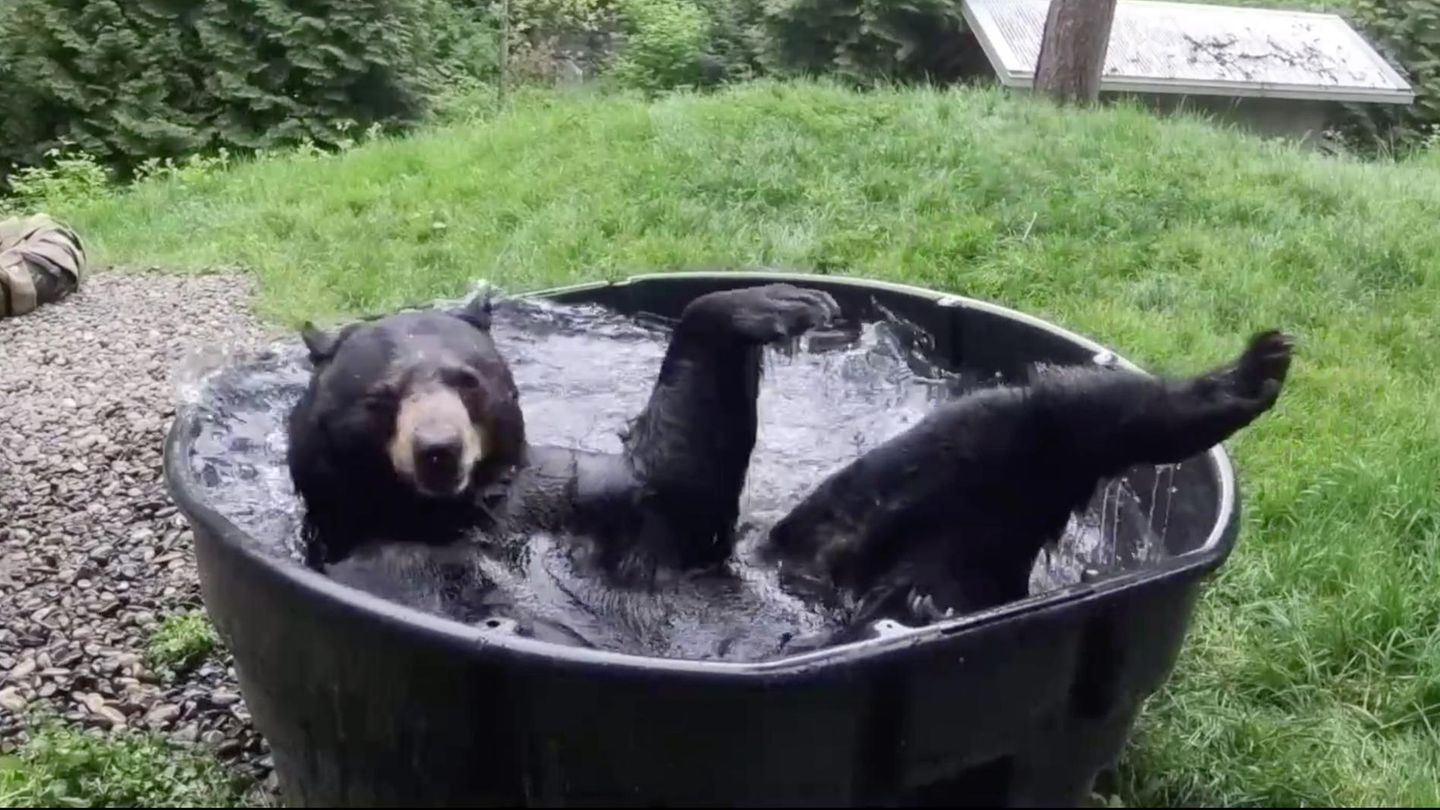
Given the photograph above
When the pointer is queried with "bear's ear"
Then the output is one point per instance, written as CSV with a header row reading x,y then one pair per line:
x,y
321,344
477,311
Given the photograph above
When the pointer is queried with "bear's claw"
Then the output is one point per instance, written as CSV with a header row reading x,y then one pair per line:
x,y
778,311
1262,368
923,609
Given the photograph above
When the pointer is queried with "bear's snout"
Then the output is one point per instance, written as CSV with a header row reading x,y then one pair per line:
x,y
437,454
436,446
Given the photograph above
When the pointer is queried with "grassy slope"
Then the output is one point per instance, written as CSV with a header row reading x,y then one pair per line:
x,y
1313,672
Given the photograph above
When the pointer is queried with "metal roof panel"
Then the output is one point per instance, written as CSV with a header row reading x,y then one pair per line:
x,y
1196,49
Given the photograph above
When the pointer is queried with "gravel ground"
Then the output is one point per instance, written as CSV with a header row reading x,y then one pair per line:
x,y
92,552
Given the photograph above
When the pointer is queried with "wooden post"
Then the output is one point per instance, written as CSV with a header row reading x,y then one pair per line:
x,y
1072,51
504,47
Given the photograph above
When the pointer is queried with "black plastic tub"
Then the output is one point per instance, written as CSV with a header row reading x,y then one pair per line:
x,y
365,702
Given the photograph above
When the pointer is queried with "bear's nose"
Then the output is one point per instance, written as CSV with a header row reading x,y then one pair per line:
x,y
438,454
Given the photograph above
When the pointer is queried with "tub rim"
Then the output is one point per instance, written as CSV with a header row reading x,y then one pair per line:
x,y
182,481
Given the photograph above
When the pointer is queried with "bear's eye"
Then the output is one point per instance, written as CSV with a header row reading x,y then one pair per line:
x,y
379,401
462,380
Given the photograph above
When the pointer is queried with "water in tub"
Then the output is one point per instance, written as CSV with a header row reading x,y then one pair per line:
x,y
583,372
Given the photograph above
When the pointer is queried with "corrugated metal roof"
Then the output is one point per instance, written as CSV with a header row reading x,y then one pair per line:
x,y
1158,47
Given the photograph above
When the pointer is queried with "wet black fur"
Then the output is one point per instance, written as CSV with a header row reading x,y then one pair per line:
x,y
339,428
951,514
669,502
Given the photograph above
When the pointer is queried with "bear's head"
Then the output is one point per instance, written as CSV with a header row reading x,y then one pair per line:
x,y
416,408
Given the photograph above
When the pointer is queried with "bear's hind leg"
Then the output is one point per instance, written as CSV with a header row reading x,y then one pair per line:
x,y
957,507
1112,421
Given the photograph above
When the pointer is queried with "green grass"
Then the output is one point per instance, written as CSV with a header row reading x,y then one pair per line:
x,y
1312,674
62,767
181,641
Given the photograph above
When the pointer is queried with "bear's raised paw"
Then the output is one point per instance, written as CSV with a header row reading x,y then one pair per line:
x,y
1260,371
767,313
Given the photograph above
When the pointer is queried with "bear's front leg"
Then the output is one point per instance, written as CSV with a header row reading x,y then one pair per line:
x,y
752,315
690,448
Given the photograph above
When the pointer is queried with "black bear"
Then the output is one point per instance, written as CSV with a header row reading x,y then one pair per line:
x,y
411,430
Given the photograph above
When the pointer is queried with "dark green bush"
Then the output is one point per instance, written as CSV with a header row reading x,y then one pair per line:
x,y
103,75
738,39
863,40
866,40
1407,31
462,38
551,39
18,119
128,80
561,17
665,42
287,72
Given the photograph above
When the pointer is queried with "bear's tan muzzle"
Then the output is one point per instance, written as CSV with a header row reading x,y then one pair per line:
x,y
435,446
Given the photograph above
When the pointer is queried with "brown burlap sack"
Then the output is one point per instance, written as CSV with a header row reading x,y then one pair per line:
x,y
41,261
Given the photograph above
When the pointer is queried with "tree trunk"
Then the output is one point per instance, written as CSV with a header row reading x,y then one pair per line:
x,y
1072,51
501,85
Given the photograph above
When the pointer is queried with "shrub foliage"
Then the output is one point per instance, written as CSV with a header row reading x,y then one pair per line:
x,y
1408,31
127,80
666,41
130,82
866,40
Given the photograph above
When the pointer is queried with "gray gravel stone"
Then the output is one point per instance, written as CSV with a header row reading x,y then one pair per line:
x,y
92,552
12,700
22,670
161,715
